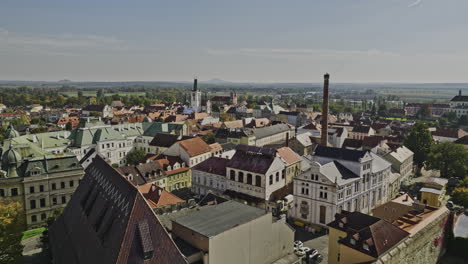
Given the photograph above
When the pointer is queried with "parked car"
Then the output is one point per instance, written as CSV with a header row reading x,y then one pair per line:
x,y
301,251
298,244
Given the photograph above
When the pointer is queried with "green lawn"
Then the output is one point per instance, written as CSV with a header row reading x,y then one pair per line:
x,y
33,232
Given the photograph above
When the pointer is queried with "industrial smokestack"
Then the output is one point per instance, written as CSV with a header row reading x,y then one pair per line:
x,y
195,84
324,140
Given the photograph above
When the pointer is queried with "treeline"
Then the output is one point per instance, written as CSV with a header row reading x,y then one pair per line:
x,y
54,97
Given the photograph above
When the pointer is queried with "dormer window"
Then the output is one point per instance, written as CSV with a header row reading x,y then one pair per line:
x,y
352,241
341,225
365,246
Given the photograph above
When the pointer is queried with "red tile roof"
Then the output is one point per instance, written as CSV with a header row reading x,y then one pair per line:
x,y
157,196
288,155
195,146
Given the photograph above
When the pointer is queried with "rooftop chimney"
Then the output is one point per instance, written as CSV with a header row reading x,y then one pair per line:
x,y
324,140
195,88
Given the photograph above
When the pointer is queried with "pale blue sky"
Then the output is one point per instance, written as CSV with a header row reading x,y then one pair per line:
x,y
236,40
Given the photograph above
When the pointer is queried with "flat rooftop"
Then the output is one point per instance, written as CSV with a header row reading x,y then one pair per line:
x,y
216,219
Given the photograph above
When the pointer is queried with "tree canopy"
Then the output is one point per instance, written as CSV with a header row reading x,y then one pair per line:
x,y
419,140
209,138
450,158
136,156
11,228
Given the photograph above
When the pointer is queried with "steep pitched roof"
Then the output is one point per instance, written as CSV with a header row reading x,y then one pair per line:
x,y
157,196
108,221
250,158
361,129
288,155
460,98
194,146
462,140
94,108
164,140
339,153
213,165
449,132
378,235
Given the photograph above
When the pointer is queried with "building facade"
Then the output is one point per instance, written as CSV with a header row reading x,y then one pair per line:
x,y
338,179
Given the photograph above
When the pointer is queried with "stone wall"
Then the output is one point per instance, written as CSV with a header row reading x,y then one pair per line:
x,y
424,246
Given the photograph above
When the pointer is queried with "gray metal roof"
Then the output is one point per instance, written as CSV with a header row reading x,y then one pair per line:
x,y
270,130
219,218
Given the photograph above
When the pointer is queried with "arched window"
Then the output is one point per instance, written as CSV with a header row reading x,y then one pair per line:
x,y
249,178
232,175
241,176
258,181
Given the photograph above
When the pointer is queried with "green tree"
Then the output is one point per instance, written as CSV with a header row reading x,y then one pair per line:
x,y
382,111
419,141
209,138
463,120
450,158
80,94
11,228
135,157
100,93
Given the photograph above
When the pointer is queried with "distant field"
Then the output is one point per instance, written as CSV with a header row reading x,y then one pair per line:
x,y
421,95
93,93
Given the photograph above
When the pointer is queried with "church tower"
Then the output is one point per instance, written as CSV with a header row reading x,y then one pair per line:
x,y
195,98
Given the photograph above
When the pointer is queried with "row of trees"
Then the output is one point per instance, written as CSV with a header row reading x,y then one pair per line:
x,y
449,158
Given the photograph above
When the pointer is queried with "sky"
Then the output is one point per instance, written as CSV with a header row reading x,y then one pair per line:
x,y
242,40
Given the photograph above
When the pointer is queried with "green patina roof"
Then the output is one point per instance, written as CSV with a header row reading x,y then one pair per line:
x,y
50,164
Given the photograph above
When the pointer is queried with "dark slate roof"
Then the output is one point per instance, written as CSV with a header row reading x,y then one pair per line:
x,y
339,153
379,235
352,143
213,165
462,140
164,140
460,98
94,108
345,172
219,218
250,158
361,129
109,221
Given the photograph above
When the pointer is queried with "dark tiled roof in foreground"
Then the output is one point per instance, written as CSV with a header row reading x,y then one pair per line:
x,y
108,221
219,218
371,235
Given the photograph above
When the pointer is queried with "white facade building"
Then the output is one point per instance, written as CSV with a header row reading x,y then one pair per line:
x,y
339,179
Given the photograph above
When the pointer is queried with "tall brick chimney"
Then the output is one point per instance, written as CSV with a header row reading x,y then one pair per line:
x,y
324,140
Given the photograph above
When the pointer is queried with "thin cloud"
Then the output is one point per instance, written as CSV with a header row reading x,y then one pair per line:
x,y
418,2
291,52
64,44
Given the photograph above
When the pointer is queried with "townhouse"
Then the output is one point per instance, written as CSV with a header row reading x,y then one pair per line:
x,y
41,181
251,174
335,179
